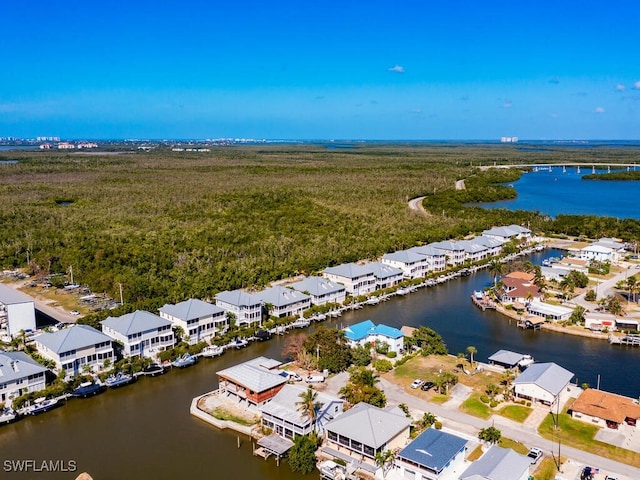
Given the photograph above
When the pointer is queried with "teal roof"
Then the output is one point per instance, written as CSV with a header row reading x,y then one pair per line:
x,y
362,330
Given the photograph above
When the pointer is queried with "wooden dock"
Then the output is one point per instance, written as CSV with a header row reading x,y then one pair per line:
x,y
629,340
483,302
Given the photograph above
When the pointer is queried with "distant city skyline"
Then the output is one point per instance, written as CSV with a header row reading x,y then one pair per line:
x,y
321,70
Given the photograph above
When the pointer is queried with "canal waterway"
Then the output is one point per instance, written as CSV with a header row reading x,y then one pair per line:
x,y
557,192
144,431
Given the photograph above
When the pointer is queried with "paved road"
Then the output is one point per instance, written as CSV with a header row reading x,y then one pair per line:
x,y
470,425
606,287
416,205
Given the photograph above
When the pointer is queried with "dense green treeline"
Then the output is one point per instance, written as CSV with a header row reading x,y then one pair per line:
x,y
630,175
169,226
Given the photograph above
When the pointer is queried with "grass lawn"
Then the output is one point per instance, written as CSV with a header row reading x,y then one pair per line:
x,y
580,435
439,399
223,414
473,406
546,470
475,454
517,413
512,444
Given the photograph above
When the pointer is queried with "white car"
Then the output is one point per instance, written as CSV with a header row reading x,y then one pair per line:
x,y
534,454
314,379
417,383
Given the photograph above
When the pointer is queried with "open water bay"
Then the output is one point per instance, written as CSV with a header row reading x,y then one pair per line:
x,y
144,431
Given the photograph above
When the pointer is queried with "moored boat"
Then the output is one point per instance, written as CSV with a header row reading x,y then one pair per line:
x,y
373,301
7,415
40,405
212,351
86,389
402,291
239,343
185,360
120,379
153,369
525,362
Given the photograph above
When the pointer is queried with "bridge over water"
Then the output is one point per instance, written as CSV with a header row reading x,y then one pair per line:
x,y
550,166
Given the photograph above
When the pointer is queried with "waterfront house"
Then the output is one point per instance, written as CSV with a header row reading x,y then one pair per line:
x,y
141,333
357,279
596,407
255,381
19,374
474,251
200,321
494,245
246,307
507,358
599,253
548,311
363,431
367,333
17,311
76,349
436,258
386,275
412,264
571,263
509,233
542,382
597,321
284,416
454,251
553,274
283,301
498,463
433,455
321,290
519,287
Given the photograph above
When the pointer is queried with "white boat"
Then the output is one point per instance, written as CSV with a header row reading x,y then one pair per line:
x,y
320,317
239,343
40,405
301,323
120,379
402,291
335,313
185,360
7,415
525,362
212,351
373,301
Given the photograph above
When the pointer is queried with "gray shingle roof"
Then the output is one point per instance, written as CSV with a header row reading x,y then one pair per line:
x,y
317,286
428,251
15,365
279,296
404,256
191,309
369,425
253,376
497,464
433,449
548,376
382,270
448,245
72,338
9,296
349,270
137,322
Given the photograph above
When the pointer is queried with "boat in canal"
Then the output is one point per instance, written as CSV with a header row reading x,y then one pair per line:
x,y
40,405
86,389
119,379
184,361
239,343
7,415
153,369
212,351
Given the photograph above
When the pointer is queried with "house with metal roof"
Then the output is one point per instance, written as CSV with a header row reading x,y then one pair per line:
x,y
17,311
507,358
454,251
542,382
200,321
433,455
283,301
436,258
19,374
246,307
599,253
474,251
412,264
494,245
364,430
367,333
321,290
548,311
357,279
284,416
142,334
76,349
386,275
605,409
255,381
498,463
509,232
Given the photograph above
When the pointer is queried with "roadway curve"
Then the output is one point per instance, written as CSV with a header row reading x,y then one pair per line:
x,y
415,204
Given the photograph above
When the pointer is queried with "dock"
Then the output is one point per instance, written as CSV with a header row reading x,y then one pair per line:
x,y
481,300
628,340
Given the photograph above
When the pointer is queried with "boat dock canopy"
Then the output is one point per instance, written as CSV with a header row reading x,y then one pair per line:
x,y
506,358
275,445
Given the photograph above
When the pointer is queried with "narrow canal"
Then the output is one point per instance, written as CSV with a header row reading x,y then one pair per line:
x,y
144,431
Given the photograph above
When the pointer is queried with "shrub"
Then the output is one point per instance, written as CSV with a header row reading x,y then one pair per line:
x,y
528,404
382,365
392,354
438,425
484,399
493,404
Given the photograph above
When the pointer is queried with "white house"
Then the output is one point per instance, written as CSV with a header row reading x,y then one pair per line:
x,y
474,251
498,463
19,374
143,334
17,311
436,258
599,253
510,232
282,414
454,251
386,275
357,279
246,307
412,264
368,333
76,349
321,290
542,382
548,311
199,320
284,302
494,245
433,455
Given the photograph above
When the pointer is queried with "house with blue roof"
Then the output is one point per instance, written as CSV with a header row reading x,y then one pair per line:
x,y
433,455
76,349
200,321
368,333
321,290
142,334
357,279
283,301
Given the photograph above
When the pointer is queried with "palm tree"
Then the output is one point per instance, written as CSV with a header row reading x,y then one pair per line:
x,y
384,460
633,285
496,268
471,350
308,405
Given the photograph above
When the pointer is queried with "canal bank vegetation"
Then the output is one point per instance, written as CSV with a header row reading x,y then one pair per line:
x,y
617,176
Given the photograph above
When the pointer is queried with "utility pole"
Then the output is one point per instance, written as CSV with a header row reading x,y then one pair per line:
x,y
71,274
121,297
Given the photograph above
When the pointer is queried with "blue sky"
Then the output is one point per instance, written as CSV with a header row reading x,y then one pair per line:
x,y
321,69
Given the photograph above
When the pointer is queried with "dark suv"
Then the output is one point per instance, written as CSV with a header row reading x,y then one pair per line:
x,y
427,386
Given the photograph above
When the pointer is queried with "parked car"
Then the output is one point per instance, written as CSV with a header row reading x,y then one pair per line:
x,y
314,379
293,376
427,386
610,477
534,454
588,473
417,383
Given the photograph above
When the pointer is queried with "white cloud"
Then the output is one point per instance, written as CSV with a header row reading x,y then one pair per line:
x,y
636,85
397,69
599,110
620,87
